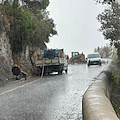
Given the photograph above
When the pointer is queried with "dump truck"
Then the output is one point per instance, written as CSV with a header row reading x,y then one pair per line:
x,y
77,58
52,60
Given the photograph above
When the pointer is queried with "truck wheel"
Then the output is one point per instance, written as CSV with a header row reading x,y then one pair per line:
x,y
60,69
66,70
100,63
88,65
60,72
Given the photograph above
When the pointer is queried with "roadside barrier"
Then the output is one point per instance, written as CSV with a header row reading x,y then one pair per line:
x,y
96,103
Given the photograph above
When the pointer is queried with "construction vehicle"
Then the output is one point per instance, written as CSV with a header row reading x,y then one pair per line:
x,y
77,58
52,60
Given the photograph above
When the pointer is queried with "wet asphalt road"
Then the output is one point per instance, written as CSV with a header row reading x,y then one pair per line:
x,y
54,97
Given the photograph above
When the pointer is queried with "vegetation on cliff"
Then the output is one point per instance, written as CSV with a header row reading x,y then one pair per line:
x,y
105,1
29,23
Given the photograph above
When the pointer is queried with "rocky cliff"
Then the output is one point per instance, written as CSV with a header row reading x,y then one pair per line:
x,y
6,60
25,60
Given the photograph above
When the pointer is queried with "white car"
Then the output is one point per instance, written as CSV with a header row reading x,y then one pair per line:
x,y
94,59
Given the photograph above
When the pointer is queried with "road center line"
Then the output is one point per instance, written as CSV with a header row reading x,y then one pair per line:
x,y
18,87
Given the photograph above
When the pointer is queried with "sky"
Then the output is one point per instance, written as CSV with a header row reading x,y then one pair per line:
x,y
76,25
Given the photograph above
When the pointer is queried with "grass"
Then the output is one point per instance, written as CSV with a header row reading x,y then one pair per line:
x,y
115,96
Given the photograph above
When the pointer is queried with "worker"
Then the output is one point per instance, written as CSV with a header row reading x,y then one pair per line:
x,y
23,74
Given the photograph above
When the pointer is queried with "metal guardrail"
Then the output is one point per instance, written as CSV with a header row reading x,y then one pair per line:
x,y
96,103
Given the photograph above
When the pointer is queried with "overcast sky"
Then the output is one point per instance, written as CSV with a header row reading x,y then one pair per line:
x,y
76,25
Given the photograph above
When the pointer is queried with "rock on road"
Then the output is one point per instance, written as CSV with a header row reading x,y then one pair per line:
x,y
54,97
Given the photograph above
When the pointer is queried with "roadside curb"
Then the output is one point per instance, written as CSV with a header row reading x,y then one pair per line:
x,y
96,103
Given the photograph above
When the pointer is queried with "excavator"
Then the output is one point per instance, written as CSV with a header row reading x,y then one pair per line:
x,y
77,58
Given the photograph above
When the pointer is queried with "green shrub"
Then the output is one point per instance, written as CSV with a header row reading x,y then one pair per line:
x,y
26,28
115,96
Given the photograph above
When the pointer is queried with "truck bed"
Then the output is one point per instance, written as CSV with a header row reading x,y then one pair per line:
x,y
48,62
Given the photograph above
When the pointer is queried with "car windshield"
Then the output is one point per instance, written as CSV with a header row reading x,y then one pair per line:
x,y
93,56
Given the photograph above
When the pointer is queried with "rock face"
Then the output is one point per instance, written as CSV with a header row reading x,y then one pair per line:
x,y
5,49
25,60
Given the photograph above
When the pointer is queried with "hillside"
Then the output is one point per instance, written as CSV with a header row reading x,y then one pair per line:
x,y
24,60
22,34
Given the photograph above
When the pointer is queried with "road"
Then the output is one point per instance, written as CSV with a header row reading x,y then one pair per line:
x,y
54,97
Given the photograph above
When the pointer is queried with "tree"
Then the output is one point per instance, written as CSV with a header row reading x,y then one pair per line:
x,y
26,27
105,1
41,4
110,20
107,51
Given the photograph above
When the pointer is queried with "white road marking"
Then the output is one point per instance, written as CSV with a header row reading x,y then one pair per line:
x,y
18,87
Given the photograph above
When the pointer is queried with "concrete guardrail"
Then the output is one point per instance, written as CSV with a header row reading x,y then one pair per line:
x,y
96,103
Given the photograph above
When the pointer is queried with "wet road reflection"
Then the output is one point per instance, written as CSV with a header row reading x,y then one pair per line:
x,y
55,97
